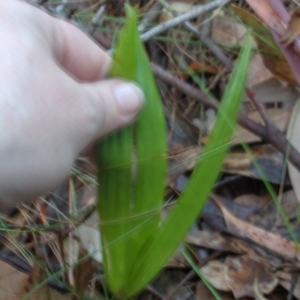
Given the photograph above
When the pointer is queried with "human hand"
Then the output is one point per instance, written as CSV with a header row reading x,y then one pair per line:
x,y
54,100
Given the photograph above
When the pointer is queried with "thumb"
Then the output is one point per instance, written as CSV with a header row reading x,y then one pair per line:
x,y
115,103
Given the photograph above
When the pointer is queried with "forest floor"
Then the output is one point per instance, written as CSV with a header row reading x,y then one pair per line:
x,y
245,241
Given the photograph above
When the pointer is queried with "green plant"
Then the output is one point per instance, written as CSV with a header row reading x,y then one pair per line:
x,y
136,243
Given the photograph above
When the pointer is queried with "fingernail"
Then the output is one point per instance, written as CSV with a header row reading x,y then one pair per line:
x,y
129,97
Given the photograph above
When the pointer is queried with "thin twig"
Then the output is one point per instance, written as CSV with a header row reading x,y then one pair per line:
x,y
61,8
259,107
270,127
155,293
211,45
182,18
191,274
229,66
151,15
293,286
206,40
96,19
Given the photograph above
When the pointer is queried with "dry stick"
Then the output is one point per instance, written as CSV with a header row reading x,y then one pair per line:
x,y
96,19
151,15
270,135
293,286
211,45
182,18
155,293
228,64
207,41
271,129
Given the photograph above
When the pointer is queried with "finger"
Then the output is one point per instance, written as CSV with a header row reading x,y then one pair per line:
x,y
72,49
116,104
77,53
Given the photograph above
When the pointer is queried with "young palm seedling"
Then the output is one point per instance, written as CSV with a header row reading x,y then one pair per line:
x,y
136,243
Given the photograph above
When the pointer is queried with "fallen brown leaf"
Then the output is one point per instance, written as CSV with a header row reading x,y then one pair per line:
x,y
34,290
84,273
278,245
279,117
249,278
270,162
286,280
241,275
203,293
213,240
15,285
273,91
215,272
273,58
293,30
12,282
227,31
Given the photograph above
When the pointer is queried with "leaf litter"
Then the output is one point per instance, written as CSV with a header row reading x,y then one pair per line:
x,y
256,256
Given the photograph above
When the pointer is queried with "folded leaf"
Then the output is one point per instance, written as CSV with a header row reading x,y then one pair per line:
x,y
129,204
136,243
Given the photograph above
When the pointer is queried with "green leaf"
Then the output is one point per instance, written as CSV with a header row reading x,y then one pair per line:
x,y
136,245
129,204
114,201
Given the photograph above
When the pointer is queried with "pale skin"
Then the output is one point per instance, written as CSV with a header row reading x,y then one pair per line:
x,y
54,100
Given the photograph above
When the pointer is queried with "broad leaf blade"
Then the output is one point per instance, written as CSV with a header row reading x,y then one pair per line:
x,y
129,217
161,246
114,164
